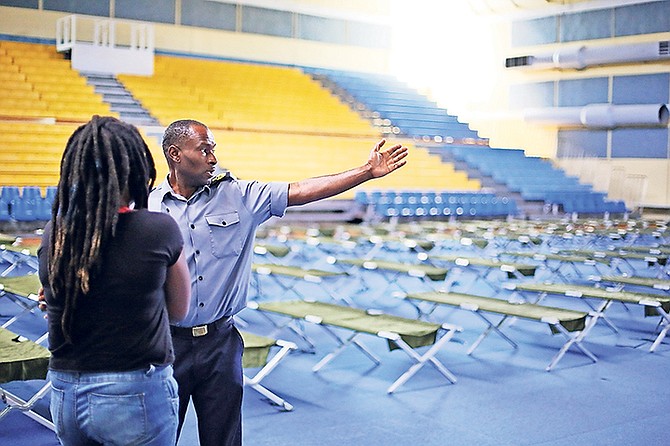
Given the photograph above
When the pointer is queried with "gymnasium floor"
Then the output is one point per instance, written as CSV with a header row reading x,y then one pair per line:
x,y
503,396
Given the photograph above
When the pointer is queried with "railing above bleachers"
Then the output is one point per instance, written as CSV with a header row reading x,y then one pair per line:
x,y
96,45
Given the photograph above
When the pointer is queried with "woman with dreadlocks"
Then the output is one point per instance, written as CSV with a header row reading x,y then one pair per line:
x,y
114,276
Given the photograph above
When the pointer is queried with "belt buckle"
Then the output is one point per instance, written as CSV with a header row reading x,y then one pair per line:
x,y
198,331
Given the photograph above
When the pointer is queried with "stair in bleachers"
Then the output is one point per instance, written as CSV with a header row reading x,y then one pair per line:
x,y
120,99
395,107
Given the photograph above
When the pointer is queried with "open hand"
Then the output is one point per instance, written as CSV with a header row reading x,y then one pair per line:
x,y
383,163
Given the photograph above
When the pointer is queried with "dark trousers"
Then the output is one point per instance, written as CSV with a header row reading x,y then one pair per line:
x,y
208,370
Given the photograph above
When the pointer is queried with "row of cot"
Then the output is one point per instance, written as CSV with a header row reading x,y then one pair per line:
x,y
527,303
409,335
23,356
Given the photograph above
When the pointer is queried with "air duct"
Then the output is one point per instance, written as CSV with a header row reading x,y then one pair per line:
x,y
582,57
601,115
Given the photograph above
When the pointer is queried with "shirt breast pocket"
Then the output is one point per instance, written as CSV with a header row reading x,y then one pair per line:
x,y
224,232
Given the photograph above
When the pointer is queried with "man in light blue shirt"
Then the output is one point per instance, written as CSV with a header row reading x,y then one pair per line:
x,y
218,217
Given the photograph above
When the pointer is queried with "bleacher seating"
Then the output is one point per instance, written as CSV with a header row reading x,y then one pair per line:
x,y
279,123
535,179
37,81
282,124
396,107
445,204
31,152
241,96
27,203
291,157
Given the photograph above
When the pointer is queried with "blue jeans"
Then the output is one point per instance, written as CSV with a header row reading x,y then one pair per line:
x,y
115,408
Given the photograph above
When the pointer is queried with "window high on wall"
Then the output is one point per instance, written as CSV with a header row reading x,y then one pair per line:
x,y
289,19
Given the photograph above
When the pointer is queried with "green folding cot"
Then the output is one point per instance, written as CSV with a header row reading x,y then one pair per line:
x,y
649,282
654,304
288,277
556,263
392,271
16,256
573,325
256,355
22,290
22,359
400,333
623,257
482,267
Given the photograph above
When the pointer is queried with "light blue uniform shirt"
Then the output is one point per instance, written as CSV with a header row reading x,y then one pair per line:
x,y
218,224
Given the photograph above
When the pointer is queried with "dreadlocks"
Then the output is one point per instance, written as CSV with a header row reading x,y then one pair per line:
x,y
104,161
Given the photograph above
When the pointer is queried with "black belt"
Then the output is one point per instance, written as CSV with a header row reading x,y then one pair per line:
x,y
199,330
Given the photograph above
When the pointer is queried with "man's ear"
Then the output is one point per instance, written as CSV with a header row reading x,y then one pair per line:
x,y
173,153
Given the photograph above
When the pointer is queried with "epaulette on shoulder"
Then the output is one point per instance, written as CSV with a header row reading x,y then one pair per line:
x,y
226,176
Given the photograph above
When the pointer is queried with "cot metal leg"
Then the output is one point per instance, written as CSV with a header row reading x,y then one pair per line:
x,y
600,314
491,327
276,399
289,287
331,290
254,382
575,340
300,332
286,347
13,402
420,312
390,280
660,338
340,348
421,360
664,331
27,307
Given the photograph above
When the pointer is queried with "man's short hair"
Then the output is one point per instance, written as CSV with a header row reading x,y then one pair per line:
x,y
178,131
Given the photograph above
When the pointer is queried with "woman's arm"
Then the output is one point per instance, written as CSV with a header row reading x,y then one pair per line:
x,y
178,289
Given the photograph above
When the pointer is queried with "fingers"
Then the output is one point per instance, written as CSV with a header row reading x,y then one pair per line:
x,y
42,305
397,156
379,145
398,151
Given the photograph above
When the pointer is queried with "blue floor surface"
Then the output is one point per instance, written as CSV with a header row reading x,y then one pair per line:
x,y
503,395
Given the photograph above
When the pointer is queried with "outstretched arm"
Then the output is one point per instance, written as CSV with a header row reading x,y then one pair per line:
x,y
379,164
